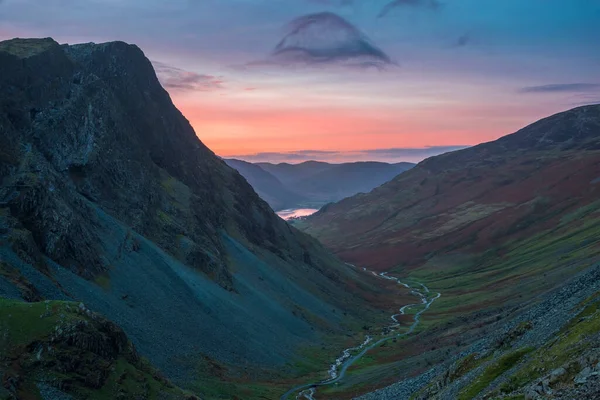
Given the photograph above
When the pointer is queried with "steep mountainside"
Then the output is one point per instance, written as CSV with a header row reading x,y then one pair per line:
x,y
492,228
54,347
266,185
317,183
108,197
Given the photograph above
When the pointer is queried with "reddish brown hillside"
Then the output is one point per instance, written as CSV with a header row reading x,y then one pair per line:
x,y
491,228
470,200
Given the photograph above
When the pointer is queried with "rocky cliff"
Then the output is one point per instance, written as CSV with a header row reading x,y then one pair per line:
x,y
108,197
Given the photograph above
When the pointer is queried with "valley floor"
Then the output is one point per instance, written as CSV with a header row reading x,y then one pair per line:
x,y
549,349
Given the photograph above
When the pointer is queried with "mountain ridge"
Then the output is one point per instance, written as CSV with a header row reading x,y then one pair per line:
x,y
468,162
311,184
109,198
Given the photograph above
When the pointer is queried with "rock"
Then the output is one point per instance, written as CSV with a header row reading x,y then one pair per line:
x,y
546,386
583,376
556,375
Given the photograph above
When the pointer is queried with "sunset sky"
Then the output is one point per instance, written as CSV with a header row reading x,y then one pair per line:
x,y
387,80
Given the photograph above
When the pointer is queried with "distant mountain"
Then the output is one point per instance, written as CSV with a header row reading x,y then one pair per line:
x,y
110,203
267,186
315,183
292,173
508,233
345,180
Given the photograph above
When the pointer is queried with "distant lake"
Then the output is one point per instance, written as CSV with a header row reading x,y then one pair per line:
x,y
296,213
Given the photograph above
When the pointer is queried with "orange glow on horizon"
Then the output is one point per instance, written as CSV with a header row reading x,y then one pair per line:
x,y
235,128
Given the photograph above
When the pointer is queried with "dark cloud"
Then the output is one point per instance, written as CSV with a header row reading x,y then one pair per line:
x,y
331,2
573,94
389,155
177,79
562,87
463,40
428,4
326,39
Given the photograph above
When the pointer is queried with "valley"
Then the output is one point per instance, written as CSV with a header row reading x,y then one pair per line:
x,y
337,370
313,184
136,263
496,229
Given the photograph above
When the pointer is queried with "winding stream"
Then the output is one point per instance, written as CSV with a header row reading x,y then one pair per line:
x,y
338,369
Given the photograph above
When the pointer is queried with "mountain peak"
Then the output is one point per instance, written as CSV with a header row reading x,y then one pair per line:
x,y
108,197
25,48
575,128
578,128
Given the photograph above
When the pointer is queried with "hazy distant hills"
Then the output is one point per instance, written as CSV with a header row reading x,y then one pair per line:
x,y
314,183
266,185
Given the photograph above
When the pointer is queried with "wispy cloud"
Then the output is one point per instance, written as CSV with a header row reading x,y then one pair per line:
x,y
428,4
177,79
562,87
387,155
584,99
326,39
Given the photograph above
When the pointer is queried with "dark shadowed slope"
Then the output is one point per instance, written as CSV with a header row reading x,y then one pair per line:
x,y
492,228
266,185
108,197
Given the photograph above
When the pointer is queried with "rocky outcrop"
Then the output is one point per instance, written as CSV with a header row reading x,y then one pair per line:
x,y
64,350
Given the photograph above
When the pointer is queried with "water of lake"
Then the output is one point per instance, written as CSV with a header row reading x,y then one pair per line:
x,y
296,213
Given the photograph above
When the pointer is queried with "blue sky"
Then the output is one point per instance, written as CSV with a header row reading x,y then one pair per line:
x,y
466,71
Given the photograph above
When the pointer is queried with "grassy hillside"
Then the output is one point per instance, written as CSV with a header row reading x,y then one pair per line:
x,y
493,228
57,349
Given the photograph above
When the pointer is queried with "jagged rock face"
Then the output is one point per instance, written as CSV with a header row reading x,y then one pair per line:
x,y
95,118
107,196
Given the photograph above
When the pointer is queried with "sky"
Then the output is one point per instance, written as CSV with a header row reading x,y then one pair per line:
x,y
345,80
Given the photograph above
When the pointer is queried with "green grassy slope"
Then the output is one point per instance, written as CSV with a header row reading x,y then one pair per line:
x,y
57,348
